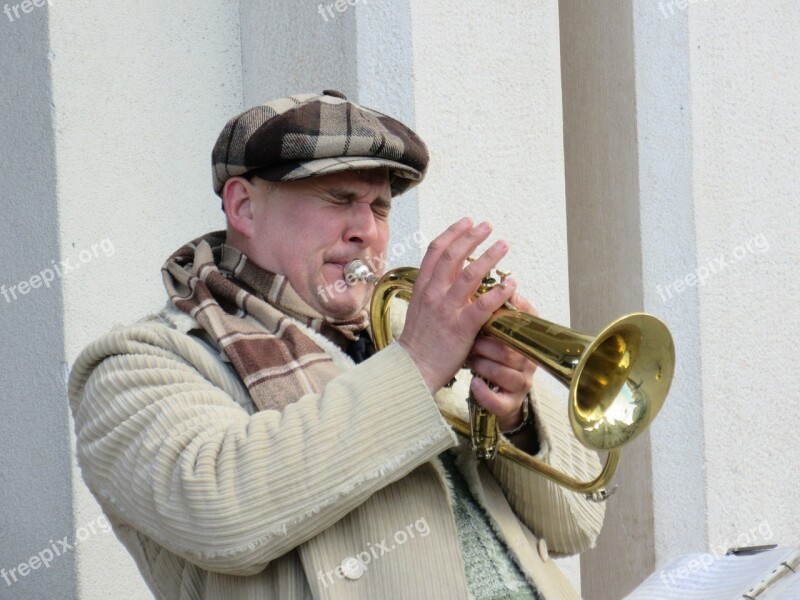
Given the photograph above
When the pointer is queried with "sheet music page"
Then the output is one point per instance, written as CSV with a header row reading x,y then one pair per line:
x,y
704,577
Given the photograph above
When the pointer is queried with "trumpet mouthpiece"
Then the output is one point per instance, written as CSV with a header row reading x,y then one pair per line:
x,y
357,270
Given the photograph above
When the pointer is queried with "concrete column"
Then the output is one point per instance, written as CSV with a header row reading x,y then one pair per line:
x,y
605,250
489,106
669,251
291,47
35,489
385,67
680,120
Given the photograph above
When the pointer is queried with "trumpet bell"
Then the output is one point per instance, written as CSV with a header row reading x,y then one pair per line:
x,y
618,380
621,382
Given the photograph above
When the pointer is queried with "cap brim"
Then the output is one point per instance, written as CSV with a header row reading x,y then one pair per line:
x,y
325,166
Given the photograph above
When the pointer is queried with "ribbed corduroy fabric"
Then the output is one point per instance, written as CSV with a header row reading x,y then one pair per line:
x,y
216,500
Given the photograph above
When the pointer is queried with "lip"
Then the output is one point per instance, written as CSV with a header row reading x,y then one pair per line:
x,y
337,267
342,263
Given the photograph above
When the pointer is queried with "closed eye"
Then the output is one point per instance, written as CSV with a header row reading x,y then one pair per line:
x,y
380,206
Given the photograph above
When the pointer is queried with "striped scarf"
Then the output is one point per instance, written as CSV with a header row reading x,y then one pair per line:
x,y
251,314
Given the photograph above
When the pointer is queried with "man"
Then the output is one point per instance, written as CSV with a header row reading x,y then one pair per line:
x,y
247,441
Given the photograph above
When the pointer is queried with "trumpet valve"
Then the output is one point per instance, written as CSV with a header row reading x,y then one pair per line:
x,y
488,281
503,275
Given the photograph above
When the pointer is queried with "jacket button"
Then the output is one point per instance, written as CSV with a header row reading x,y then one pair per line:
x,y
352,569
542,547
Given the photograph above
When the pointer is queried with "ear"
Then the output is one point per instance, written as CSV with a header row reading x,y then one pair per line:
x,y
237,201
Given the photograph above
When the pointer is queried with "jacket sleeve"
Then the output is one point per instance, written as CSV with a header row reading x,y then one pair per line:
x,y
567,520
165,446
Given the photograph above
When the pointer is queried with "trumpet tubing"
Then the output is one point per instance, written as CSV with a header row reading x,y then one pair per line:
x,y
618,380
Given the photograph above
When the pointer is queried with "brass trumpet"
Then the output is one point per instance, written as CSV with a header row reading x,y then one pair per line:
x,y
618,380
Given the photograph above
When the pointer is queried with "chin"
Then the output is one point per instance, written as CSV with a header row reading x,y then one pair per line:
x,y
341,311
332,302
343,308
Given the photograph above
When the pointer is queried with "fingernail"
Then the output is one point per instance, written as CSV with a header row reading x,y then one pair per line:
x,y
484,226
501,245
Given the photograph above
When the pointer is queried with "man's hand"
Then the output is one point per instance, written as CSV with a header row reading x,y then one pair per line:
x,y
443,320
505,368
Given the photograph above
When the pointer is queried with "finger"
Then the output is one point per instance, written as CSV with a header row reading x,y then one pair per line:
x,y
497,403
451,260
479,311
469,280
510,380
437,246
487,347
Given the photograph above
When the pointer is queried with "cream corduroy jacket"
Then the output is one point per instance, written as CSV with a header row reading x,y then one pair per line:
x,y
215,500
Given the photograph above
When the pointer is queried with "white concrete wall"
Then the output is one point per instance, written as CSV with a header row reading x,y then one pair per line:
x,y
719,123
488,103
290,47
385,71
746,126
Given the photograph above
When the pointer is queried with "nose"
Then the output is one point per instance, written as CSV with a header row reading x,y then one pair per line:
x,y
362,227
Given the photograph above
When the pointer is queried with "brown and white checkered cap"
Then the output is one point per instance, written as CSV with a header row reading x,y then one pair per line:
x,y
309,135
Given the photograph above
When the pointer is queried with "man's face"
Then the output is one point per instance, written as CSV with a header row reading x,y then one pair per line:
x,y
307,230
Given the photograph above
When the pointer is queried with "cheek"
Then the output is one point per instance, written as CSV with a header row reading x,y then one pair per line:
x,y
383,238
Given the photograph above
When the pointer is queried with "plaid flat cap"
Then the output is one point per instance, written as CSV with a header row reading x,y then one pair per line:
x,y
309,135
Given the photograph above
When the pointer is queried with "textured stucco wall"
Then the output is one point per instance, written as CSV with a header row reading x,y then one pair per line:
x,y
290,47
746,126
140,92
